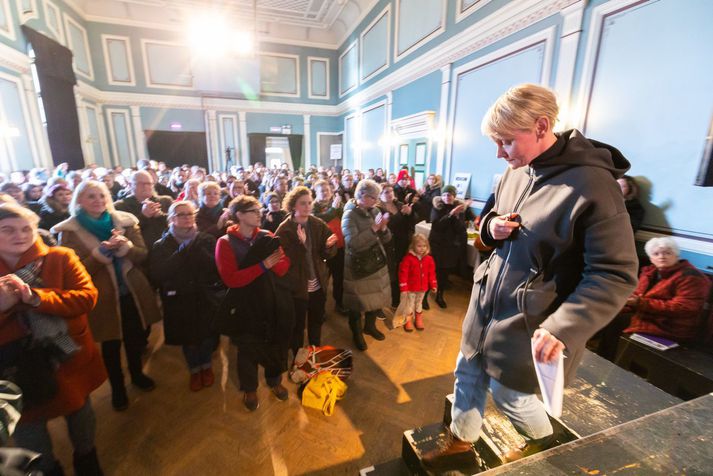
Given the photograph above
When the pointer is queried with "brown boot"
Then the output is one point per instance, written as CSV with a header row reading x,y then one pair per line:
x,y
419,321
452,448
530,448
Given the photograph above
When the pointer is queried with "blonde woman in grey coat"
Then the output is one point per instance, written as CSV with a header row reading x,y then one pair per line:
x,y
366,276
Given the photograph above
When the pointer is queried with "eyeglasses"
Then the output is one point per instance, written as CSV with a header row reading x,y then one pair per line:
x,y
256,211
184,215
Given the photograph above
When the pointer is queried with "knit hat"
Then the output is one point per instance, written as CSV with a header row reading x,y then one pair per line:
x,y
449,189
403,174
56,188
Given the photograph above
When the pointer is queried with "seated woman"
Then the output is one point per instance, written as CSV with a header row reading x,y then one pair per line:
x,y
48,288
183,268
257,313
212,218
667,302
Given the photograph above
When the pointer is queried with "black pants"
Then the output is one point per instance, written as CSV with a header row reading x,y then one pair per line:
x,y
273,357
336,267
311,311
442,278
134,339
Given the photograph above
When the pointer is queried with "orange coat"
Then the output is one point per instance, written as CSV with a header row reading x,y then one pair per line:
x,y
70,294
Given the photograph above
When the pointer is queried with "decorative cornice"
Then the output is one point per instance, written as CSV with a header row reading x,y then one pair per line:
x,y
14,60
510,19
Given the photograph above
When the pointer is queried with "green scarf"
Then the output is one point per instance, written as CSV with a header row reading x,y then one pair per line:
x,y
101,228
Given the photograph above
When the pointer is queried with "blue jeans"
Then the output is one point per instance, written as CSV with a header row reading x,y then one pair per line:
x,y
34,436
198,357
525,411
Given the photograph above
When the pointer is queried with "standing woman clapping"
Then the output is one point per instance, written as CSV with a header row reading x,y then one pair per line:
x,y
307,241
110,245
183,268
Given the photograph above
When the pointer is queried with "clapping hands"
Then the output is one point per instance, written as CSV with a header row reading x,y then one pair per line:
x,y
14,290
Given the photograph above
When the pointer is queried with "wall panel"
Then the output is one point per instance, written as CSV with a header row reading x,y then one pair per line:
x,y
375,41
373,129
167,65
279,75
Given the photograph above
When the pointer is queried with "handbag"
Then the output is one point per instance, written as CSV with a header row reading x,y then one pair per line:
x,y
367,262
32,366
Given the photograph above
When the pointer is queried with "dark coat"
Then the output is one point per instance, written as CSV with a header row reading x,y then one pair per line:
x,y
49,216
401,227
449,235
258,306
152,229
297,275
189,286
569,268
636,213
671,306
426,202
276,218
207,221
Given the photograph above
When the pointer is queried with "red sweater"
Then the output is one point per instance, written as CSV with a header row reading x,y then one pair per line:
x,y
232,275
672,307
417,274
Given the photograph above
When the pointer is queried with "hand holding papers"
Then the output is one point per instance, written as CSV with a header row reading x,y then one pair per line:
x,y
550,371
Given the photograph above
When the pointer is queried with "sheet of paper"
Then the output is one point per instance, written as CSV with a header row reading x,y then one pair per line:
x,y
551,379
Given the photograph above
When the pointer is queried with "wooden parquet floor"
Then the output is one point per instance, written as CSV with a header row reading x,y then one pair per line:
x,y
397,384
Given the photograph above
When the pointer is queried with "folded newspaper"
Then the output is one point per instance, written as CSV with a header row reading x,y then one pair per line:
x,y
550,376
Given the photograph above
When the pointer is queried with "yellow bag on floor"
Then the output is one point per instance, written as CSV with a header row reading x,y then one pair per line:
x,y
323,391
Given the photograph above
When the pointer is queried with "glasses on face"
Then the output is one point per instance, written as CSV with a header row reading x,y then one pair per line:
x,y
256,211
185,214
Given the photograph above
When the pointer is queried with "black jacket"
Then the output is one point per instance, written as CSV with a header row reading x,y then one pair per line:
x,y
448,235
152,229
189,286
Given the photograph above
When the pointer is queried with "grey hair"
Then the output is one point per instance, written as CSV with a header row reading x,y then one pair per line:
x,y
204,186
661,242
172,210
367,187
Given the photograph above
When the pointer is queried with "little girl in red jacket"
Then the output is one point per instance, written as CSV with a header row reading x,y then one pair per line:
x,y
417,273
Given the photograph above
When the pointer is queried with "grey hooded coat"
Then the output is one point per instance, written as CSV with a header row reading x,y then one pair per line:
x,y
373,292
568,269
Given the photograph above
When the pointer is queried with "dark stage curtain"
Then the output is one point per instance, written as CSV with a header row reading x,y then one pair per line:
x,y
295,150
257,148
54,70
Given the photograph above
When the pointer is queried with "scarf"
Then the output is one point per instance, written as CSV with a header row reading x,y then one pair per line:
x,y
182,235
101,228
214,212
45,328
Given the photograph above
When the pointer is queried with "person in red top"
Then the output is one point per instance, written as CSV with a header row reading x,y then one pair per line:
x,y
258,312
417,274
669,298
45,296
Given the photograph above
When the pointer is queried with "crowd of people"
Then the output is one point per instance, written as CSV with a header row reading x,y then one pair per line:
x,y
99,255
251,253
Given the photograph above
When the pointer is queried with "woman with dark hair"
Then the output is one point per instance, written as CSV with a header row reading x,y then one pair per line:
x,y
257,312
54,206
273,214
183,268
402,221
41,289
111,247
630,190
367,287
307,242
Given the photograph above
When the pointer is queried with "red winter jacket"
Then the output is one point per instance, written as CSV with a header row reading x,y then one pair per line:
x,y
417,275
672,307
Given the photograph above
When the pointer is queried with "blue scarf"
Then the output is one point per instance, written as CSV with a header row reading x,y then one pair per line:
x,y
101,228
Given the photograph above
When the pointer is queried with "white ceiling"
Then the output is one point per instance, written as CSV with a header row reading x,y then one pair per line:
x,y
323,23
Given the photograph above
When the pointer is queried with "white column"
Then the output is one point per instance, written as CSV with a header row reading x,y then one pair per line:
x,y
444,135
139,137
84,134
386,148
38,140
569,41
244,146
215,157
103,141
307,142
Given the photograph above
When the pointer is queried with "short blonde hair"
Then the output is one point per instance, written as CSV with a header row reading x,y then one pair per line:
x,y
88,185
518,110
